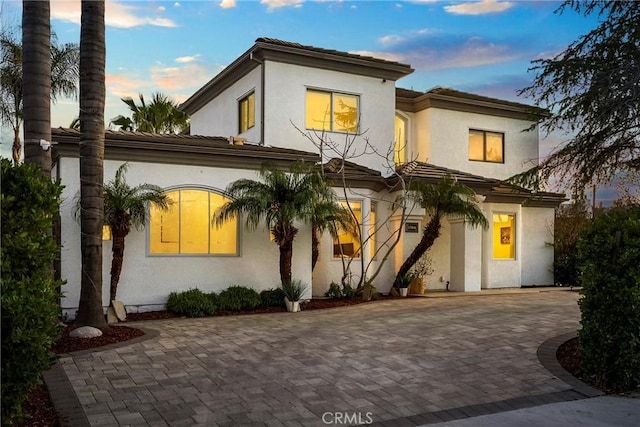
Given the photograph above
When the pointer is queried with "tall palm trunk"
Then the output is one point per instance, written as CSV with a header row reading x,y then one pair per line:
x,y
315,246
117,260
286,255
17,145
92,98
36,69
429,235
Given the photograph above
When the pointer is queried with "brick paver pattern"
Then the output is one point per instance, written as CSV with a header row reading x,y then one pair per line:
x,y
391,359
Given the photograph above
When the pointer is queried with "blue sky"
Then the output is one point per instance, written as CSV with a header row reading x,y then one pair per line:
x,y
175,47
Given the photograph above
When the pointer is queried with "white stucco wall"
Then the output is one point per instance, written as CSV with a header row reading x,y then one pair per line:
x,y
221,116
147,280
285,100
447,143
537,252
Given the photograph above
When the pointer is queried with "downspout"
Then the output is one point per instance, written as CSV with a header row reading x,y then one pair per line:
x,y
262,96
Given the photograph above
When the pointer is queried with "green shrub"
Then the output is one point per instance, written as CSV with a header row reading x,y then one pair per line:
x,y
192,303
294,290
272,298
609,251
570,220
29,308
237,298
335,292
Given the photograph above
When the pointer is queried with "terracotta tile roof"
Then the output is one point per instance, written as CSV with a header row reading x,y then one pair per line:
x,y
430,172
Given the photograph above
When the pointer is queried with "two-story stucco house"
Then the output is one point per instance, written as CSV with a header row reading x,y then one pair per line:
x,y
282,102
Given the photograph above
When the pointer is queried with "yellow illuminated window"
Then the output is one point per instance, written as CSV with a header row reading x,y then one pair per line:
x,y
106,232
504,236
400,147
247,107
329,111
346,244
372,230
186,228
486,146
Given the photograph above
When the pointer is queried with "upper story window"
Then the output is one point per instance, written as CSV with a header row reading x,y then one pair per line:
x,y
486,146
400,137
247,112
332,111
186,228
504,236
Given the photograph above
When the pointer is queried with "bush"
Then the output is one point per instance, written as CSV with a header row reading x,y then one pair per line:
x,y
29,307
236,298
272,298
609,251
335,292
569,222
192,303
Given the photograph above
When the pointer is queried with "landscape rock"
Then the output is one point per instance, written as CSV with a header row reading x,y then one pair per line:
x,y
121,312
85,332
112,317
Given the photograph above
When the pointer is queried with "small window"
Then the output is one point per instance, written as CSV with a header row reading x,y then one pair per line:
x,y
186,228
486,146
247,114
346,244
400,137
333,112
504,236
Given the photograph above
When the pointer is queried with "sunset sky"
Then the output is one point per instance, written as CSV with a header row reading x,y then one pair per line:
x,y
175,47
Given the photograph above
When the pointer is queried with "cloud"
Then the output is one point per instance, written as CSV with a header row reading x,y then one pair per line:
x,y
275,4
116,14
228,4
427,49
169,79
186,59
380,55
479,8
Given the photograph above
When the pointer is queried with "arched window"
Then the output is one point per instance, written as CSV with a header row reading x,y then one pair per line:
x,y
186,228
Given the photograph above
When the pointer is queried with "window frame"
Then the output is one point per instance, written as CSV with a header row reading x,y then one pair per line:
x,y
238,228
246,99
338,257
332,94
513,236
484,145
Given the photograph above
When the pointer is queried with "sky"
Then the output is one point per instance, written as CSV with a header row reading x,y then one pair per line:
x,y
175,47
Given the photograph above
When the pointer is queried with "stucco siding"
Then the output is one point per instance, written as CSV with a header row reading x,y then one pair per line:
x,y
221,116
537,251
285,99
146,279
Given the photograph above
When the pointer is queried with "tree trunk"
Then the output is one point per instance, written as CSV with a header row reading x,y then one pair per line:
x,y
315,246
92,96
117,260
17,145
429,235
36,78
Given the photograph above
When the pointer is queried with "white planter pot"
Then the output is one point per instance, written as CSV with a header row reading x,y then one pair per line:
x,y
292,306
404,291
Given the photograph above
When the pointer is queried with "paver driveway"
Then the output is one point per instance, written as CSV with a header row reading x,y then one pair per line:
x,y
385,361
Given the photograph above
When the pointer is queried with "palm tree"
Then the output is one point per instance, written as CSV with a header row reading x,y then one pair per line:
x,y
447,198
36,82
92,98
64,80
162,115
279,199
124,207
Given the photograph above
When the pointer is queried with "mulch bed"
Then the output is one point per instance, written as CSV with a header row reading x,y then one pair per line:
x,y
42,412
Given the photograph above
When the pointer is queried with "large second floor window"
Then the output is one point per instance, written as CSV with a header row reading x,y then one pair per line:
x,y
486,146
247,112
186,228
332,111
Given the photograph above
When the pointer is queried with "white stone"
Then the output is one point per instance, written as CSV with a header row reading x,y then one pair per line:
x,y
112,318
121,312
85,332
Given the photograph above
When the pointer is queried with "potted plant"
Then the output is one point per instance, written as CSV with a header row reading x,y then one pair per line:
x,y
402,282
423,267
292,293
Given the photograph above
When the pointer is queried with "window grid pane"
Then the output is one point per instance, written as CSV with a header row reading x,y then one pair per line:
x,y
400,147
318,110
345,113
